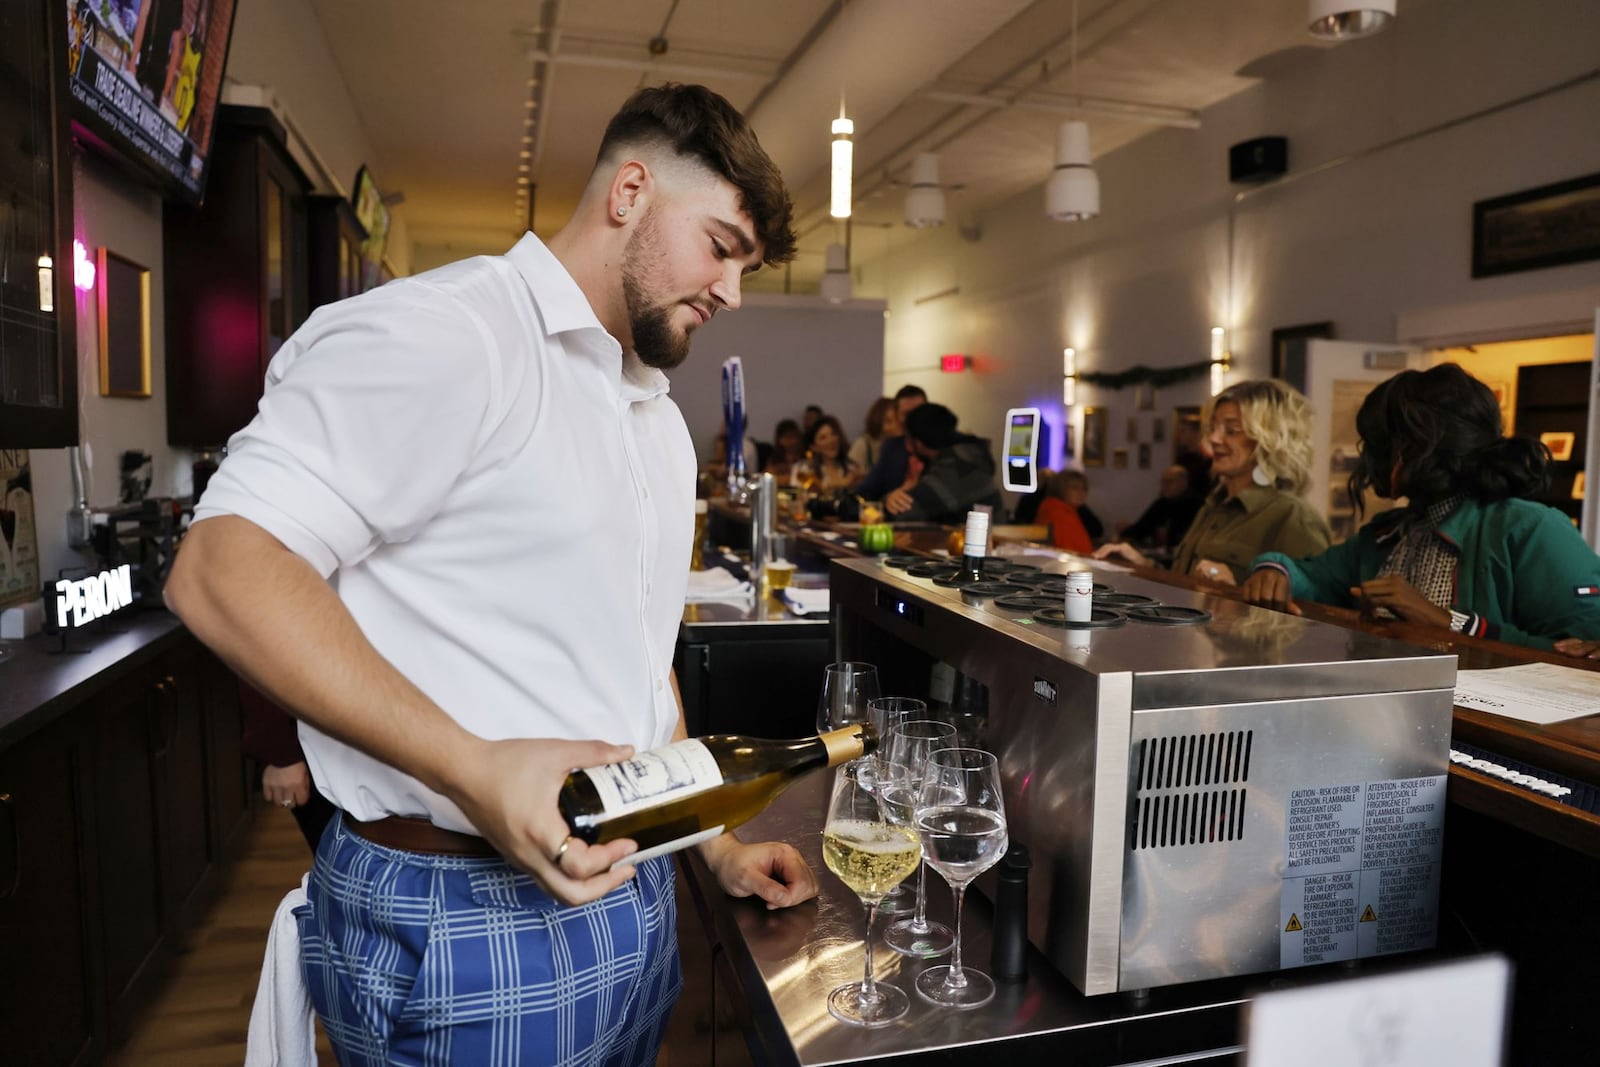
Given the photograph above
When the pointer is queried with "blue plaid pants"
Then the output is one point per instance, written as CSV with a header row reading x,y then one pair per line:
x,y
427,960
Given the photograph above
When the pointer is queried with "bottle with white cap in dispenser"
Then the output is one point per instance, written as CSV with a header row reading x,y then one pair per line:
x,y
973,547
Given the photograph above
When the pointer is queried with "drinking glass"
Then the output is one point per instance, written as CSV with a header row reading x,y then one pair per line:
x,y
886,715
846,690
908,750
961,819
871,856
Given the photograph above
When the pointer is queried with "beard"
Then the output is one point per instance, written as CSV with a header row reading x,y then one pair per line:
x,y
656,341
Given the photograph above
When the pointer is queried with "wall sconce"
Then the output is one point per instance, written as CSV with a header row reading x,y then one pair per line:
x,y
1220,359
1069,376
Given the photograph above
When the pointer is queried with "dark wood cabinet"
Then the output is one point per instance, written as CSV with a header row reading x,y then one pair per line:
x,y
1553,405
46,1001
333,237
236,278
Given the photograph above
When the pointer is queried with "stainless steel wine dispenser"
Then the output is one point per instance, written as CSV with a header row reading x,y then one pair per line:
x,y
1238,794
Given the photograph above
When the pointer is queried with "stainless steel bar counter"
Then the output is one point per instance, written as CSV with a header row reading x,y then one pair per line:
x,y
781,965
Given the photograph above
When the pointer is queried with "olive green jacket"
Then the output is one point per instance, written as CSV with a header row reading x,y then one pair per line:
x,y
1235,530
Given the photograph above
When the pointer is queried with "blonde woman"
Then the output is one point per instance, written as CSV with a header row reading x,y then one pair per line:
x,y
1260,445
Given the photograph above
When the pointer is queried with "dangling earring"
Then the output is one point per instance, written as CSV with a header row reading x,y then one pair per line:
x,y
622,212
1261,477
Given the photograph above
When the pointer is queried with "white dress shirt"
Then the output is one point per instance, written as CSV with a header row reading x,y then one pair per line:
x,y
500,497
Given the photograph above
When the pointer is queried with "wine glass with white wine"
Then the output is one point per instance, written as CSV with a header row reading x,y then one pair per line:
x,y
961,818
904,755
871,856
887,713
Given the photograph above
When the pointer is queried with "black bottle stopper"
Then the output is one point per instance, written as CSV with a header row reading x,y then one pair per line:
x,y
1009,947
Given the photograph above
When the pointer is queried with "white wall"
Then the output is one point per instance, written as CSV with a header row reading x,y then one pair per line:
x,y
1385,234
796,350
278,43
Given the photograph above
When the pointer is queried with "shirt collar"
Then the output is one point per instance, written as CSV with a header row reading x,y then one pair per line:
x,y
563,308
1251,498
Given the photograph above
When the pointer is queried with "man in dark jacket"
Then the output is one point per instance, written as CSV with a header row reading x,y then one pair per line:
x,y
958,472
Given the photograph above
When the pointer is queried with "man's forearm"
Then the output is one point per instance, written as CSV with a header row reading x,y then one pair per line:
x,y
271,617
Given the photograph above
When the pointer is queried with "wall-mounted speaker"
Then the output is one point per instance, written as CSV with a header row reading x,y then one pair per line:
x,y
1260,159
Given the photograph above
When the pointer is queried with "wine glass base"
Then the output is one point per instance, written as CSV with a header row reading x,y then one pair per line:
x,y
975,992
888,1004
934,940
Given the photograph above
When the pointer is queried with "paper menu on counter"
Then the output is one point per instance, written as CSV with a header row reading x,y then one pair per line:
x,y
1540,693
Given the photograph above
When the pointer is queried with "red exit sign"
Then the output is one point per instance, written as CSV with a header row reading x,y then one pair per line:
x,y
953,364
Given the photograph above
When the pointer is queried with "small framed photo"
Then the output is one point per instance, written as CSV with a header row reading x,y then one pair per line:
x,y
1187,433
1144,455
1559,444
1094,437
1119,459
1144,397
1133,429
1158,430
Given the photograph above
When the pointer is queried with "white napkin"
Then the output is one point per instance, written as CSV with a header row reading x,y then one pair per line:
x,y
806,601
714,583
282,1026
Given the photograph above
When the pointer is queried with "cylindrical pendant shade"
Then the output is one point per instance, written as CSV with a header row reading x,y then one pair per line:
x,y
925,199
1340,20
1073,191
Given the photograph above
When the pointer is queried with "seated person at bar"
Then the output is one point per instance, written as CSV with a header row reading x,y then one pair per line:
x,y
893,469
1075,484
882,423
1260,439
1167,519
1468,552
1066,528
788,448
958,470
829,452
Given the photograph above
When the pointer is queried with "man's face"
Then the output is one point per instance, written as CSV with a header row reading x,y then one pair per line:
x,y
683,263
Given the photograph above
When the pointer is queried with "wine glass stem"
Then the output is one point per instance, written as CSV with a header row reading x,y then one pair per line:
x,y
869,988
919,923
955,979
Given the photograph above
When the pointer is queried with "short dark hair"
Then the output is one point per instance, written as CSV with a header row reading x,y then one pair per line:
x,y
932,424
906,391
1443,427
693,122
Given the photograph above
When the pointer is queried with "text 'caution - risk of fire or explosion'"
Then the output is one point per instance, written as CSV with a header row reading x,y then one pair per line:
x,y
1361,870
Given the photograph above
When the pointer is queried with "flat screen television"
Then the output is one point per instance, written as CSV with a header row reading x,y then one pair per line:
x,y
146,78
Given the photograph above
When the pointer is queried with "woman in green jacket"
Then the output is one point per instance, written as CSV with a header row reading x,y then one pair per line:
x,y
1468,552
1259,438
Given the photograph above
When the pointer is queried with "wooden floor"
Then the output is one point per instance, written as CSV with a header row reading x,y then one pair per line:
x,y
202,1014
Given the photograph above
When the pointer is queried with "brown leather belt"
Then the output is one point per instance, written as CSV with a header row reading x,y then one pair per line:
x,y
410,834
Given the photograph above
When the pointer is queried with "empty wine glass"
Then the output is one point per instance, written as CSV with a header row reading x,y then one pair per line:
x,y
871,856
886,714
905,760
961,819
847,688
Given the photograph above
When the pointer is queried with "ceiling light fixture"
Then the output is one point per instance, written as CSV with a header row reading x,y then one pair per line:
x,y
925,199
843,151
835,284
1073,192
1343,20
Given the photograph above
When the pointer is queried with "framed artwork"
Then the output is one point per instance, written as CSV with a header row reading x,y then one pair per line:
x,y
1144,455
1144,397
1559,444
1187,433
1158,430
1119,459
1542,227
19,538
1289,350
1133,430
124,322
1066,444
1094,437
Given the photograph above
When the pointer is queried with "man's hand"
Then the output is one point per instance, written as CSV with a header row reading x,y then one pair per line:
x,y
508,790
1401,597
288,786
1123,551
1212,571
1578,647
897,502
1269,587
771,870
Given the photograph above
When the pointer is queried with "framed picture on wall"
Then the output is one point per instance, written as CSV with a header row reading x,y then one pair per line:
x,y
1144,455
1542,227
1158,430
1094,436
1119,459
19,539
124,322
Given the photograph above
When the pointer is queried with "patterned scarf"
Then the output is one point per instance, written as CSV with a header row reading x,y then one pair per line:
x,y
1422,556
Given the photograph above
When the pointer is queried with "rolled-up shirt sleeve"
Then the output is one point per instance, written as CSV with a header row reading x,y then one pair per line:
x,y
372,412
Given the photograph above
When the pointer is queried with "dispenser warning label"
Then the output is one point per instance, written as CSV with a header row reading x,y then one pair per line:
x,y
1361,869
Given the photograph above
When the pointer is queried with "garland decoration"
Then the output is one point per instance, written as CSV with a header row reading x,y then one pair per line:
x,y
1160,377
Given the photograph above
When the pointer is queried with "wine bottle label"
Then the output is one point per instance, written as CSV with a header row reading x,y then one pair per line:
x,y
654,778
665,847
842,745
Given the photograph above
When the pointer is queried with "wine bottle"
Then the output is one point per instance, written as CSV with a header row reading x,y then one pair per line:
x,y
973,546
691,791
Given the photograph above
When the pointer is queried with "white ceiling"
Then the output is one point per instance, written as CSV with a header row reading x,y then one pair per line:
x,y
442,90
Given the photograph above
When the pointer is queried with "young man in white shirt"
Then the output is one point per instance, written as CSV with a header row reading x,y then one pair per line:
x,y
454,542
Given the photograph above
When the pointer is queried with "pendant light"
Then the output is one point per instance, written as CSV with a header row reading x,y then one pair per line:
x,y
839,203
1073,192
1343,20
925,199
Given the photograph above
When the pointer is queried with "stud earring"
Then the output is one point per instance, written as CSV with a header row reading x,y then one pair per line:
x,y
622,212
